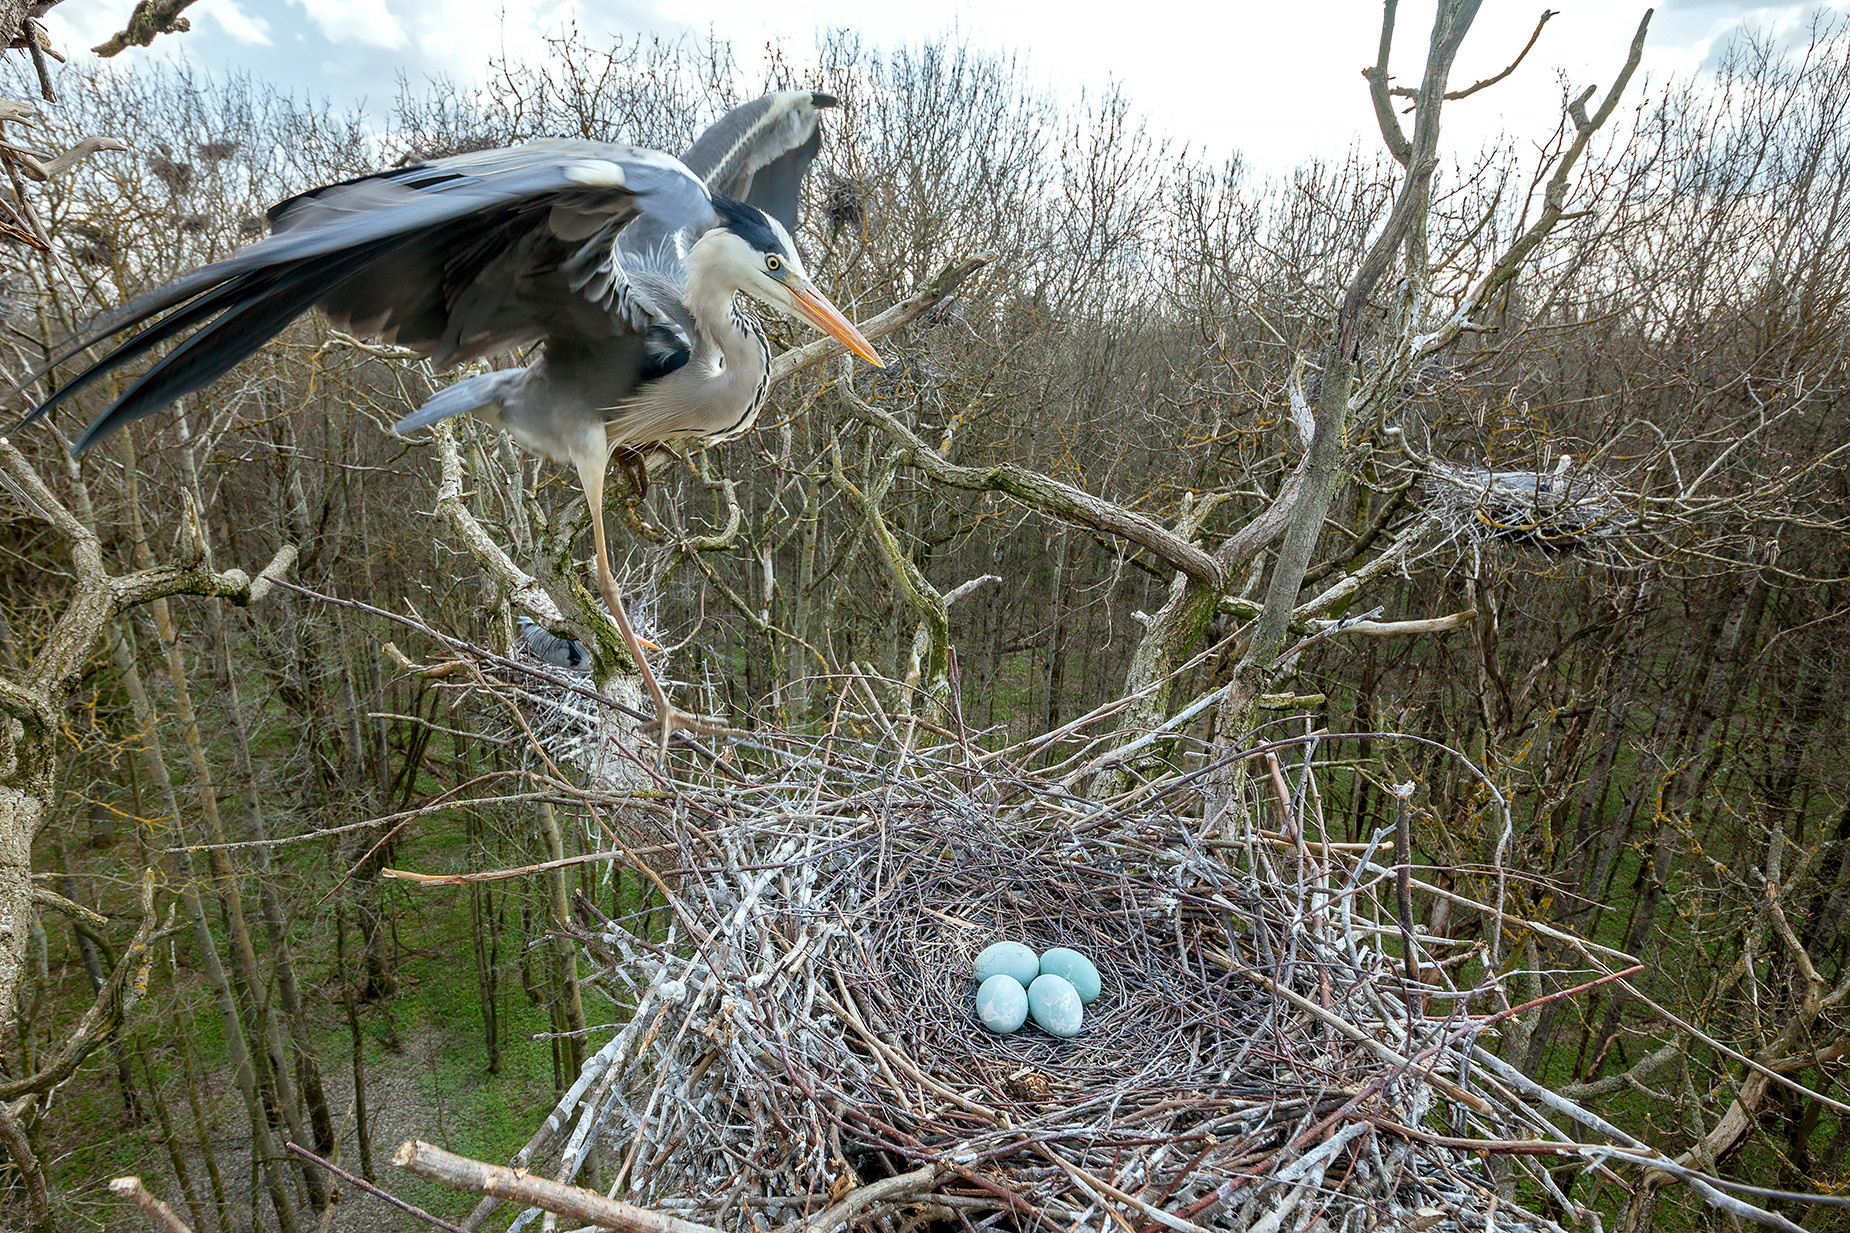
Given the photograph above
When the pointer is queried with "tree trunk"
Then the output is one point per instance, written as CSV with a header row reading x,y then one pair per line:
x,y
243,1072
565,952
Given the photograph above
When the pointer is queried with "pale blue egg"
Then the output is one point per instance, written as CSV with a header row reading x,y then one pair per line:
x,y
1008,959
1002,1003
1078,969
1056,1005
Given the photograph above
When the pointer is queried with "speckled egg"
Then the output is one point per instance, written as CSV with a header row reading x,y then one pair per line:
x,y
1076,968
1001,1003
1008,959
1056,1006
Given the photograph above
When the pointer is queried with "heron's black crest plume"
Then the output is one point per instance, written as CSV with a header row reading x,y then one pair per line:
x,y
749,223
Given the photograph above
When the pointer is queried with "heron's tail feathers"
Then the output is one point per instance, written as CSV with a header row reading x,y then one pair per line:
x,y
484,391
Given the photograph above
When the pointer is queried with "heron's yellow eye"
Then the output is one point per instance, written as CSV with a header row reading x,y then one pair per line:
x,y
772,263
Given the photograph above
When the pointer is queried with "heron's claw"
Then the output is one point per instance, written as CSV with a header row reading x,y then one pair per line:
x,y
677,720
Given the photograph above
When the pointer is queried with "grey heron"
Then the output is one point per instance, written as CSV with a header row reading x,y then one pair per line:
x,y
1531,485
625,263
553,650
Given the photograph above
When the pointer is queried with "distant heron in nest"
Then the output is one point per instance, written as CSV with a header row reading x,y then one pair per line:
x,y
626,263
1532,485
552,649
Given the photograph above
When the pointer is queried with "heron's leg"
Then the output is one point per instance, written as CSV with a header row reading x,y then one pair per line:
x,y
668,717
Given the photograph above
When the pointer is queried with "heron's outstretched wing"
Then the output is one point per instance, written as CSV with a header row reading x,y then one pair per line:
x,y
455,259
761,151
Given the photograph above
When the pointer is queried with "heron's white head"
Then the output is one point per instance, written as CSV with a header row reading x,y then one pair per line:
x,y
752,252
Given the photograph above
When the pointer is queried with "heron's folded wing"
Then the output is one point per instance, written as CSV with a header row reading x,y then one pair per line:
x,y
454,259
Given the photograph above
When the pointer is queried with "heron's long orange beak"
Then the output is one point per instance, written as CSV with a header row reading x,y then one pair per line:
x,y
828,318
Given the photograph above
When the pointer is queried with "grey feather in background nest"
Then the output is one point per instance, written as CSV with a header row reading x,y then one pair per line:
x,y
553,650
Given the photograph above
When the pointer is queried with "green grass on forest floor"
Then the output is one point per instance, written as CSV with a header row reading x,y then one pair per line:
x,y
426,1063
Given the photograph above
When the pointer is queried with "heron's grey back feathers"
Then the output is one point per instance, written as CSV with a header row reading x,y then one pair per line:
x,y
553,650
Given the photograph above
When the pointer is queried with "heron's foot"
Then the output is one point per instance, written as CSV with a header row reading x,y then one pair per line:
x,y
672,719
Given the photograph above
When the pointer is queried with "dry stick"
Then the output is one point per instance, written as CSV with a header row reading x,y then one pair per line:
x,y
447,799
1102,1189
170,1138
1601,1151
334,1195
408,1208
883,1191
462,1173
1701,1183
118,995
362,1129
221,1205
561,1112
1403,895
883,1052
157,1211
1391,1056
498,875
1750,1063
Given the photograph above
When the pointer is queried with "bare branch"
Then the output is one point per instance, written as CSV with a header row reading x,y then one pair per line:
x,y
1488,82
522,589
519,1186
158,1212
922,301
150,20
410,1209
114,1001
1396,629
1043,493
1391,133
1553,208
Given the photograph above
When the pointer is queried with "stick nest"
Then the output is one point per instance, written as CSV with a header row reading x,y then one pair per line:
x,y
1581,510
805,1034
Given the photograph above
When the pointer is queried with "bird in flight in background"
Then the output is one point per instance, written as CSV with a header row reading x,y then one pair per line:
x,y
625,263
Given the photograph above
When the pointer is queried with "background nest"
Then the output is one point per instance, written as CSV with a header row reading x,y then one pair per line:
x,y
1572,509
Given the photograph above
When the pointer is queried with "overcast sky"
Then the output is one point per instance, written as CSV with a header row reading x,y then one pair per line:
x,y
1223,76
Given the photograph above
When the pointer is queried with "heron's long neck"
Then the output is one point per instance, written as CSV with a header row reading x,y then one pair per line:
x,y
729,346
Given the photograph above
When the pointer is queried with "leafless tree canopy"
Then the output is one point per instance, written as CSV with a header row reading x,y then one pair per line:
x,y
1513,475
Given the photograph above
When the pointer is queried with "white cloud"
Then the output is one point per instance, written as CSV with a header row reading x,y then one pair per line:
x,y
86,25
231,17
367,22
459,37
